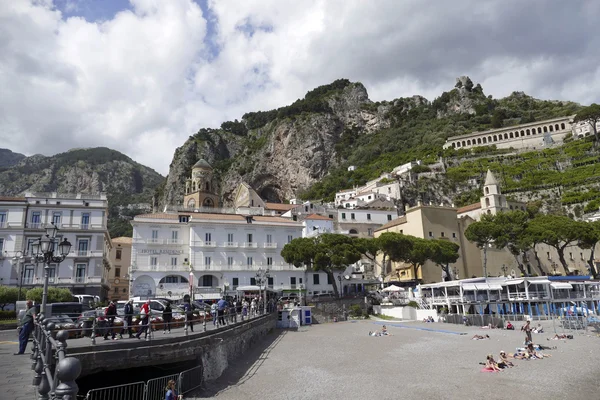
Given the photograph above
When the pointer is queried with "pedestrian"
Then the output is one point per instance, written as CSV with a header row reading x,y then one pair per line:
x,y
128,314
172,392
167,317
527,329
189,313
25,327
145,314
221,305
213,312
110,314
253,308
245,306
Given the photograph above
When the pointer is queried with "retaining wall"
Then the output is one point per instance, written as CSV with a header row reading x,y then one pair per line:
x,y
405,313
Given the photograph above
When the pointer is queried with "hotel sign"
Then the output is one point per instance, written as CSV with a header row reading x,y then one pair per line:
x,y
161,251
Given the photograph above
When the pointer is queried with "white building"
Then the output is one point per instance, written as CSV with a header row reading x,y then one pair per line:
x,y
583,129
81,218
211,253
315,224
404,168
343,196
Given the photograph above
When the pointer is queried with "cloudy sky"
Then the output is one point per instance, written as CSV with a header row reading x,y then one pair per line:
x,y
140,76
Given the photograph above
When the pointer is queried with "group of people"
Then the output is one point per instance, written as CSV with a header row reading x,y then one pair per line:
x,y
428,319
382,332
531,351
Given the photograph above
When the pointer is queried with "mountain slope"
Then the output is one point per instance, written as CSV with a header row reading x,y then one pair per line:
x,y
90,170
8,158
304,149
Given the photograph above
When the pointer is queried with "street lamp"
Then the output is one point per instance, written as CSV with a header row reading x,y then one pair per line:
x,y
17,260
48,250
262,277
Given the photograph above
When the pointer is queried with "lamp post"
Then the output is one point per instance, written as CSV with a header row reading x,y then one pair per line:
x,y
17,260
262,277
48,250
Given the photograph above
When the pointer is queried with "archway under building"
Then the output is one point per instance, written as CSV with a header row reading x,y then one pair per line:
x,y
208,281
143,286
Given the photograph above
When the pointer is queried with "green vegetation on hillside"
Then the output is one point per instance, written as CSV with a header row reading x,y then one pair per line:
x,y
419,130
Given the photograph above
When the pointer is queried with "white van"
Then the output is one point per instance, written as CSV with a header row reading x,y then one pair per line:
x,y
87,299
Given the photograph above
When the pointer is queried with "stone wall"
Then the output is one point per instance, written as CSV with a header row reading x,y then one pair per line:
x,y
327,311
214,349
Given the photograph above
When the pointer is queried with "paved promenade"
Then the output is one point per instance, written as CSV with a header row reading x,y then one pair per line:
x,y
419,361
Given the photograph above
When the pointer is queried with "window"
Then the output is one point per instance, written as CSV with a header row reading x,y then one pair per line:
x,y
571,256
290,238
2,219
370,231
1,245
173,261
389,217
116,290
249,261
230,238
270,281
235,282
352,216
207,237
154,234
29,243
174,235
117,272
443,234
252,281
28,274
56,217
153,261
548,254
230,262
269,261
368,217
36,219
82,247
316,278
581,255
119,253
80,273
331,216
52,273
293,281
343,215
329,280
85,221
249,236
402,231
430,234
207,280
269,239
454,235
207,262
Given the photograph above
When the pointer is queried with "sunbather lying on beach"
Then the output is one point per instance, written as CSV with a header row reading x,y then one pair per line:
x,y
480,337
558,337
503,361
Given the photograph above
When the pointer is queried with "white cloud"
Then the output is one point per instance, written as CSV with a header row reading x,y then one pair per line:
x,y
144,80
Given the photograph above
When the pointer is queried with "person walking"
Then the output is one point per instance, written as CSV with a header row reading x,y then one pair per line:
x,y
527,329
253,308
167,317
25,327
128,314
110,314
145,314
245,306
189,313
221,305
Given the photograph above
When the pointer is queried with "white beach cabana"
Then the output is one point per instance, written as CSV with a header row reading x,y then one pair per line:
x,y
393,288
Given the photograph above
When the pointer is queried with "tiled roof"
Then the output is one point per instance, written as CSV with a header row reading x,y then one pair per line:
x,y
7,198
468,208
317,216
218,217
280,206
158,216
122,240
397,221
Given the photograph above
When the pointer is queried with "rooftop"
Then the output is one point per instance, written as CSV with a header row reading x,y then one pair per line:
x,y
216,217
7,198
470,207
122,240
202,163
391,224
319,217
280,206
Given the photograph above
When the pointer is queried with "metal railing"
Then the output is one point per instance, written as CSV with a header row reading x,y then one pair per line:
x,y
55,373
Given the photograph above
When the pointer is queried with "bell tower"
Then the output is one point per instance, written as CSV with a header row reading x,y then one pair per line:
x,y
492,201
200,187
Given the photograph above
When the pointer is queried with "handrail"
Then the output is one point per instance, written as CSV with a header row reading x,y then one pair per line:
x,y
55,373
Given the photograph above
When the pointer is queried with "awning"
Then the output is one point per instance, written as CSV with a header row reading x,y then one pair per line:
x,y
513,282
561,285
469,286
539,281
490,286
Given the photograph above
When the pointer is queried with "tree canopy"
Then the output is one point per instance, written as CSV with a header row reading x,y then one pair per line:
x,y
55,295
590,115
8,295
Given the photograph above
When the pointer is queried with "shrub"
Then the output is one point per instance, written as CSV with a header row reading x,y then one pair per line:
x,y
356,311
8,315
413,304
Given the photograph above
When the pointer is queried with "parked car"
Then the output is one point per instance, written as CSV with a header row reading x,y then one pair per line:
x,y
322,296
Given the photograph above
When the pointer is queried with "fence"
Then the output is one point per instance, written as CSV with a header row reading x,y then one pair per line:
x,y
154,389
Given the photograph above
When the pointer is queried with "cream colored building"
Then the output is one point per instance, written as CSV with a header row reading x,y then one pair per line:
x,y
120,257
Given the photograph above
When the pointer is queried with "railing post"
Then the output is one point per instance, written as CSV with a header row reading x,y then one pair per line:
x,y
185,328
94,330
204,322
36,357
67,370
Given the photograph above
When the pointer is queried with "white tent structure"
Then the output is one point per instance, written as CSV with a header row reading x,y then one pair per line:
x,y
393,288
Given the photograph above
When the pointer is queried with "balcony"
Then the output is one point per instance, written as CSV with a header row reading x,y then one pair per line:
x,y
41,225
249,245
154,241
86,253
230,244
270,245
204,243
174,241
34,225
53,280
163,268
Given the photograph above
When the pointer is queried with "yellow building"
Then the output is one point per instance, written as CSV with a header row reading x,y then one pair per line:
x,y
200,188
433,222
120,257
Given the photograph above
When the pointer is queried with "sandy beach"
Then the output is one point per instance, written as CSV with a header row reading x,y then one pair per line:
x,y
419,361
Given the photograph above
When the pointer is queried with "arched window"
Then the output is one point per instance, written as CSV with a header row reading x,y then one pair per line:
x,y
353,232
468,142
495,138
511,135
556,128
194,186
522,133
528,132
478,140
191,203
539,130
545,129
208,202
551,128
487,202
463,143
173,279
562,126
489,139
207,187
484,140
487,190
506,136
453,145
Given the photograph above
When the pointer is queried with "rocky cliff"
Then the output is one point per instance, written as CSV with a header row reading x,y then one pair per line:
x,y
280,152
